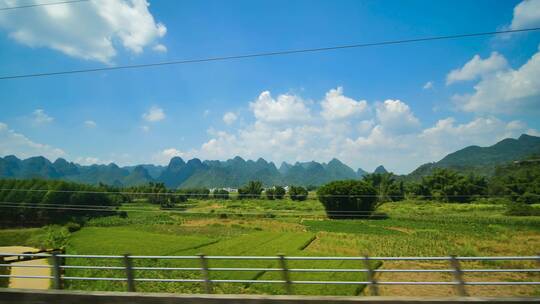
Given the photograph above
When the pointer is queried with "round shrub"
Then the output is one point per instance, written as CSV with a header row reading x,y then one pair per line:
x,y
348,199
298,193
279,192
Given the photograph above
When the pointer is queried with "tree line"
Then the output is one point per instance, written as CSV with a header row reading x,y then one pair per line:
x,y
36,202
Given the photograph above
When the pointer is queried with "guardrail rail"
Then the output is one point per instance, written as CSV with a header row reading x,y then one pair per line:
x,y
128,269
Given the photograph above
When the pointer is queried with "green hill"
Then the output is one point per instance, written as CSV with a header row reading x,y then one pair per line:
x,y
483,160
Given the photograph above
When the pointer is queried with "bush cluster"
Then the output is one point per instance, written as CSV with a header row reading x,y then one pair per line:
x,y
348,199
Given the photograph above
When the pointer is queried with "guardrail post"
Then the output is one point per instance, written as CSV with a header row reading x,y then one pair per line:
x,y
205,274
57,271
458,277
129,273
371,277
285,274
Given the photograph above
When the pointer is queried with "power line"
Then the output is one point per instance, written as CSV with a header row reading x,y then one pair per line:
x,y
233,195
267,54
41,4
181,207
359,214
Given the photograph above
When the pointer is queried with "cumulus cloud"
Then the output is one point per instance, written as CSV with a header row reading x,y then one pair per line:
x,y
506,91
40,117
15,143
163,157
428,85
160,48
395,116
286,108
526,15
90,124
93,31
477,67
154,114
337,106
229,118
88,160
390,135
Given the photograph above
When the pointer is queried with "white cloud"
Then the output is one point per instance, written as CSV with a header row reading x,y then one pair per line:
x,y
145,128
17,144
160,48
392,136
92,31
286,108
154,114
229,118
86,161
366,126
428,85
477,67
337,106
526,15
396,116
508,91
163,157
446,135
90,124
40,117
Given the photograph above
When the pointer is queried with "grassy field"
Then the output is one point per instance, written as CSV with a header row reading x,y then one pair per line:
x,y
261,227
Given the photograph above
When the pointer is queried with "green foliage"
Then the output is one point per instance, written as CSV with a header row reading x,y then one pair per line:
x,y
450,186
196,193
220,194
279,192
253,189
158,194
521,209
298,193
56,237
348,198
519,181
387,187
270,193
72,227
38,202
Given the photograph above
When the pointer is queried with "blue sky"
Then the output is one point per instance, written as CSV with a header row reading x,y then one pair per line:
x,y
399,105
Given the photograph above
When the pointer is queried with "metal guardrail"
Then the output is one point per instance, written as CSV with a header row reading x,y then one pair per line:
x,y
129,269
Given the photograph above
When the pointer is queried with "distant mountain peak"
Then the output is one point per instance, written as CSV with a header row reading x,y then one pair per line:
x,y
176,161
380,170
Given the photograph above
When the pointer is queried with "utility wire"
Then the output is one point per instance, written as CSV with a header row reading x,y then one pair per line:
x,y
267,54
59,207
181,207
234,194
40,4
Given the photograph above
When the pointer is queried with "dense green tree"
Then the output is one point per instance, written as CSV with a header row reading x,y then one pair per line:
x,y
348,199
518,181
270,193
279,192
298,193
38,202
220,194
387,187
253,189
450,186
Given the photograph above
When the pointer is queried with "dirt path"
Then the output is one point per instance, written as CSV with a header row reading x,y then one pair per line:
x,y
26,271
